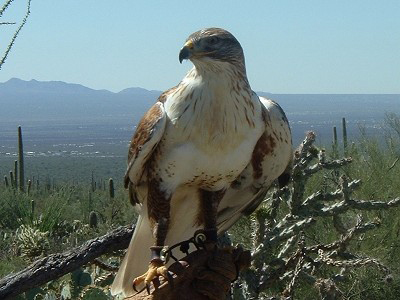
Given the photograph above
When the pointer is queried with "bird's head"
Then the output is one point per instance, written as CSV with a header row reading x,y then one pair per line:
x,y
212,45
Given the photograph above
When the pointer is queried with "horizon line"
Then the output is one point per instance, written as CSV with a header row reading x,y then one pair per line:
x,y
156,90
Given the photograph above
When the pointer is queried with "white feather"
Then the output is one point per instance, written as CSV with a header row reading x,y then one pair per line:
x,y
137,257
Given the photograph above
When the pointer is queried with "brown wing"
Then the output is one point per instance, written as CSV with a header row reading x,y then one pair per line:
x,y
271,160
146,138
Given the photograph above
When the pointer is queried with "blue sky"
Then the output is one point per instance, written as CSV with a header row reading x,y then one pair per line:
x,y
290,46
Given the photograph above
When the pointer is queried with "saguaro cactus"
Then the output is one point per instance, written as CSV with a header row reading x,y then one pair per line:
x,y
32,209
93,220
111,187
29,186
21,161
334,136
335,142
344,130
16,173
12,180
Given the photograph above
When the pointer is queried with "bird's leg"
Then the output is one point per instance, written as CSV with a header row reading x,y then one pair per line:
x,y
209,201
158,203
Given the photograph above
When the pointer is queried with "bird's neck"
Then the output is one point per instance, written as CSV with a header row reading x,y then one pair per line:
x,y
221,83
213,88
211,68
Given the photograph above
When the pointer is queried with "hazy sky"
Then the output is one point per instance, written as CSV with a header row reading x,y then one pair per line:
x,y
350,46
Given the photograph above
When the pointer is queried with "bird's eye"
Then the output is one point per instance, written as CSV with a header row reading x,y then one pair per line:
x,y
212,40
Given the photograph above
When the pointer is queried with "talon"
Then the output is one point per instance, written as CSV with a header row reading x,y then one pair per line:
x,y
138,280
148,288
170,279
138,292
156,282
156,269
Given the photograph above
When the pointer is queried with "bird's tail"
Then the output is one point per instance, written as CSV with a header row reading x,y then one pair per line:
x,y
136,259
182,227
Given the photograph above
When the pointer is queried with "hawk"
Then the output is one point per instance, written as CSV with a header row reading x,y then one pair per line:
x,y
203,155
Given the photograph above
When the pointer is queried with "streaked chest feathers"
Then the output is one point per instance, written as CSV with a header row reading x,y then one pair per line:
x,y
216,113
214,124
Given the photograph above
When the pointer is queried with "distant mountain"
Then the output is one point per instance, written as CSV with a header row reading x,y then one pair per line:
x,y
138,91
15,85
56,100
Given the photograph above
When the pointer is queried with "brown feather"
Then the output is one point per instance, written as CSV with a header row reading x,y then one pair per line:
x,y
144,128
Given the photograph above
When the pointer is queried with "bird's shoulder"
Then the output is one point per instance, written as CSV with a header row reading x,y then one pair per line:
x,y
148,133
148,123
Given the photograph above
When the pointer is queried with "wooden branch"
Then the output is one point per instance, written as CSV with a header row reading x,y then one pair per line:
x,y
393,164
56,265
4,7
16,33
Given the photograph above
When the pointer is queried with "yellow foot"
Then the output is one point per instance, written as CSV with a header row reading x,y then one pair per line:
x,y
156,269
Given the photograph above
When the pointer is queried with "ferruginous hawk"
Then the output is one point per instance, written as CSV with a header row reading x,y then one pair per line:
x,y
202,156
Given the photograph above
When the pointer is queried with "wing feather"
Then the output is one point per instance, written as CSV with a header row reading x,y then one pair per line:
x,y
146,138
271,160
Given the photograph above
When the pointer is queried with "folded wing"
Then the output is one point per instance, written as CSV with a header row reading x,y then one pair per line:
x,y
271,160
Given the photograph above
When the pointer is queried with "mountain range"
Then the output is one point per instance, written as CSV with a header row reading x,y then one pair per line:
x,y
57,102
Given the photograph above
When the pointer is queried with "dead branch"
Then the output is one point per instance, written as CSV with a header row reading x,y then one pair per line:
x,y
5,6
16,33
275,257
56,265
393,164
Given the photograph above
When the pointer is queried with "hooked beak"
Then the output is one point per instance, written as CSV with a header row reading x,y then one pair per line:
x,y
186,51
